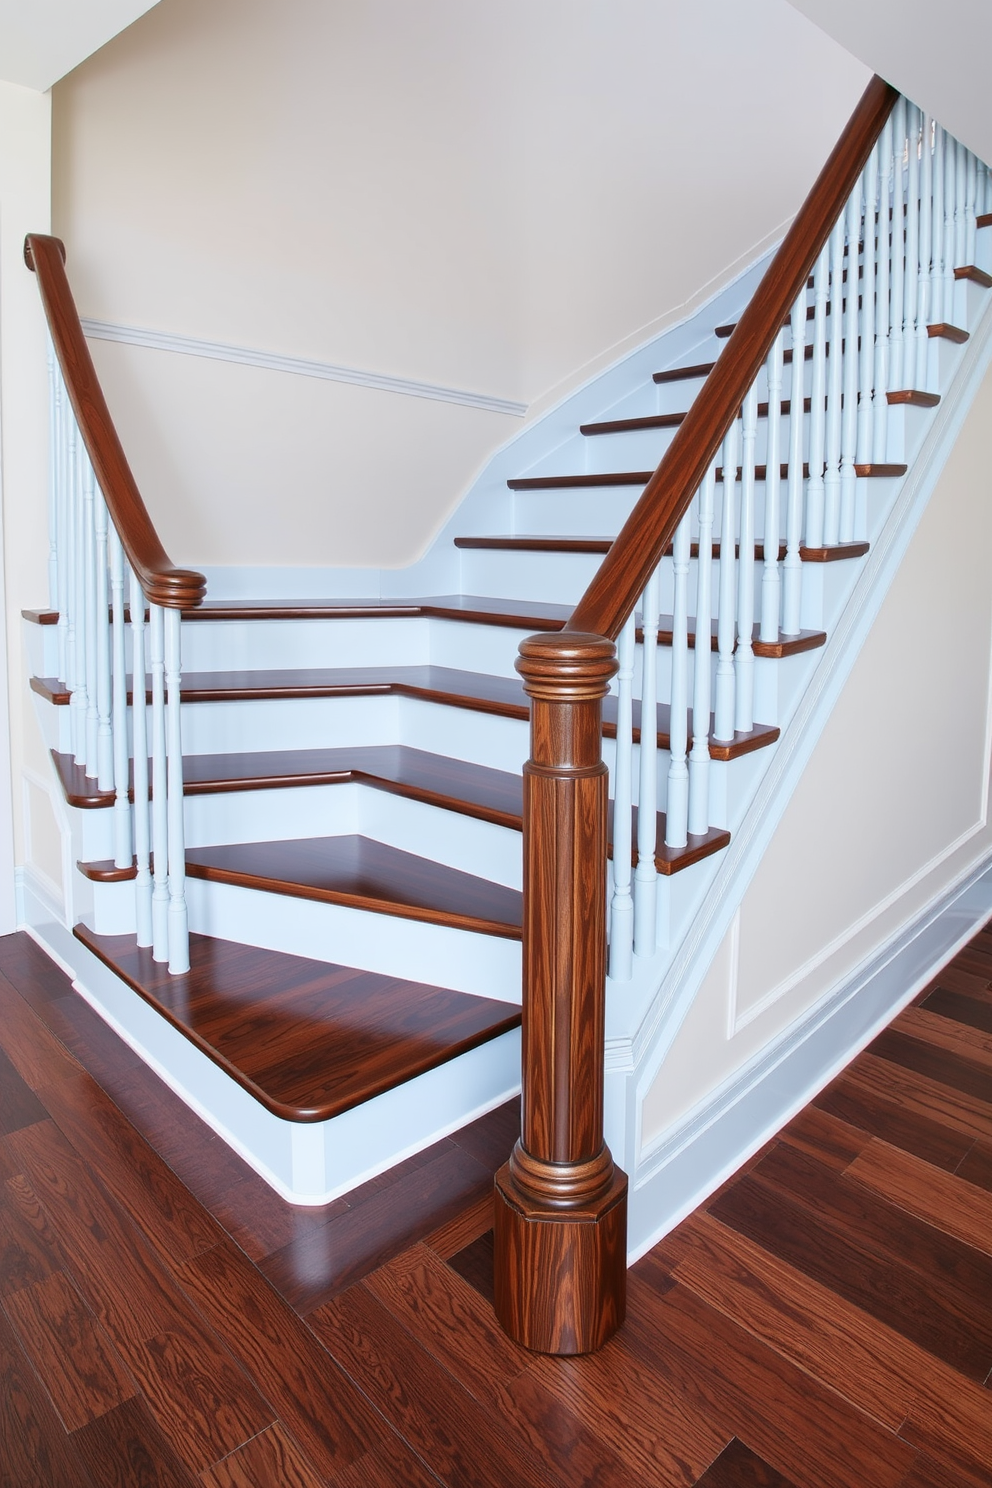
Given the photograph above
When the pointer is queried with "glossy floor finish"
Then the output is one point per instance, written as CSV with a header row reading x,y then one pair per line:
x,y
826,1319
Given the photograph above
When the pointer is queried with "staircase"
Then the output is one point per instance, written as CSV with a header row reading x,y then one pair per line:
x,y
348,797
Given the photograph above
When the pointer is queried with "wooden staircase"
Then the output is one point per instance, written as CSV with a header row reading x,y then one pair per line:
x,y
353,794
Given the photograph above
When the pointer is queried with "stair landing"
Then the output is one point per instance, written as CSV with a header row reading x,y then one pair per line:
x,y
307,1039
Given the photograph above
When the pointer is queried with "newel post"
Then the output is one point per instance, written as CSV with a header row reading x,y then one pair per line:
x,y
561,1205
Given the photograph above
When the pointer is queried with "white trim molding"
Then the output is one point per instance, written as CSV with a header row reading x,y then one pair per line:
x,y
686,1164
270,361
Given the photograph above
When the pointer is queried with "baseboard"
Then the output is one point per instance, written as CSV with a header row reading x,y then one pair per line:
x,y
687,1163
306,1163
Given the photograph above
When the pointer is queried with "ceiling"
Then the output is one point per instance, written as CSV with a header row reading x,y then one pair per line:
x,y
42,40
937,55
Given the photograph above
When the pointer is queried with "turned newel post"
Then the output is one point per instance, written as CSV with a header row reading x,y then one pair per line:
x,y
561,1205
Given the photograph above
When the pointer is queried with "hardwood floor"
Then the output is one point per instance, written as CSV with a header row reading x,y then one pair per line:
x,y
824,1320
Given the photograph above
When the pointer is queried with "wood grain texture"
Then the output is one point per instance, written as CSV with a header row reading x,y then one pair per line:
x,y
272,1457
560,1215
323,1409
308,1039
943,1033
161,581
970,1077
942,331
738,1467
364,873
733,1359
973,273
36,1452
72,1355
724,1370
950,1203
932,1316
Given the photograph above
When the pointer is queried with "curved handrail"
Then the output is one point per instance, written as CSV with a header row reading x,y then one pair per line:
x,y
638,549
162,583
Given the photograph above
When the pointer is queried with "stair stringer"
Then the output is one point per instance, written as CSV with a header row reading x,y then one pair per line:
x,y
680,1167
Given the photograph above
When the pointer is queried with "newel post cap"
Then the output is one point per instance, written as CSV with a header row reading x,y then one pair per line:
x,y
567,666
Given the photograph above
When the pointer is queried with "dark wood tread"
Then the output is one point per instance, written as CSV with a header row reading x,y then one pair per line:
x,y
942,331
307,1039
670,420
480,692
975,274
834,554
641,478
364,874
457,785
684,374
984,219
913,398
726,331
473,608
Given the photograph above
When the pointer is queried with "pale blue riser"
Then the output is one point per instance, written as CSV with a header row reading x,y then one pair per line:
x,y
484,965
257,645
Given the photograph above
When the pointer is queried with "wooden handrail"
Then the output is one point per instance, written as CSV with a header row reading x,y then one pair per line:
x,y
637,551
161,582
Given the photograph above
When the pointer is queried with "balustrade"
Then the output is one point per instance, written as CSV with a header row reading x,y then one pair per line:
x,y
870,262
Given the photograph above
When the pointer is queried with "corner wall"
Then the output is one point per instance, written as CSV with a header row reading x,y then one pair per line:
x,y
493,200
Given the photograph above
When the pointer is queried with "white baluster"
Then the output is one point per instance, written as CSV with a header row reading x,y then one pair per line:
x,y
92,621
792,569
105,733
744,655
971,194
123,852
70,467
950,189
960,210
849,408
677,805
937,230
646,872
897,306
54,380
835,387
866,425
699,759
883,258
178,919
815,496
724,703
923,300
139,718
160,788
80,698
622,906
771,583
912,245
63,415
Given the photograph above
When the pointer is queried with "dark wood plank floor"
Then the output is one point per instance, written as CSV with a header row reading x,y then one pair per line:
x,y
824,1320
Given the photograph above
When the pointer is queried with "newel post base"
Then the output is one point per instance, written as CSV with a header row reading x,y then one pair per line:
x,y
561,1278
560,1232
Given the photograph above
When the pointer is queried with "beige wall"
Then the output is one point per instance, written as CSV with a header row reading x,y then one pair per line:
x,y
25,186
492,198
891,810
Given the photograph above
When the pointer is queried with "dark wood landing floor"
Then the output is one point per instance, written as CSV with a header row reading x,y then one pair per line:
x,y
825,1321
305,1038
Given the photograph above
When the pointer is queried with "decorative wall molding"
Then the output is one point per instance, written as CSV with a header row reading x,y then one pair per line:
x,y
687,1163
246,356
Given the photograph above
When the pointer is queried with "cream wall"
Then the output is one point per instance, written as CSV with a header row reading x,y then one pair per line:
x,y
891,810
492,198
25,186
